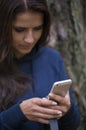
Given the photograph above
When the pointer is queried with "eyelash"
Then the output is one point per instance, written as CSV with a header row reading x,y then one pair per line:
x,y
20,30
38,28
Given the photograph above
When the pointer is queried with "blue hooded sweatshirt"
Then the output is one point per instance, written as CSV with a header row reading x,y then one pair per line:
x,y
45,66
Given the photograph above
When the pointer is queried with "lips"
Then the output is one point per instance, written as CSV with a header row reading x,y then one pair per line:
x,y
25,46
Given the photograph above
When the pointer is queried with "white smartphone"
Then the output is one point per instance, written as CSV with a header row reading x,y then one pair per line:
x,y
61,87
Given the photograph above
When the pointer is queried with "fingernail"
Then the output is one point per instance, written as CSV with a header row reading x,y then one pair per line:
x,y
60,115
54,103
59,112
50,94
43,98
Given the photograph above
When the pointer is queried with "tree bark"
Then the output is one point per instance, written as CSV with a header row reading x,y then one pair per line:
x,y
67,36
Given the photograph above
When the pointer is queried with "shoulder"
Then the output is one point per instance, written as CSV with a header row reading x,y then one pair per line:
x,y
51,54
54,60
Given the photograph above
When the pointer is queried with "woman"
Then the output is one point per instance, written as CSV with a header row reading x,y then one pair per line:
x,y
28,69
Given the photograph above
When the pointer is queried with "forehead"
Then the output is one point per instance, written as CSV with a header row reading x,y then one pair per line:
x,y
28,19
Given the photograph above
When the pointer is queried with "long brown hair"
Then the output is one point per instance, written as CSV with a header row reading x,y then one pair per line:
x,y
13,82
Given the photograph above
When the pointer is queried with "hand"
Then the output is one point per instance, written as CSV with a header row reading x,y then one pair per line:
x,y
39,110
63,102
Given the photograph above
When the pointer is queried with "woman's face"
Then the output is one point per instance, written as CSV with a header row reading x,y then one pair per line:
x,y
27,29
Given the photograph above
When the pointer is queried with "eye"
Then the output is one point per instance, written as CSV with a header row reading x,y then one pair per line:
x,y
19,29
38,28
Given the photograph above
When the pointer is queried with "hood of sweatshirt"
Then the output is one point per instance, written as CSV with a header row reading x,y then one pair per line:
x,y
30,56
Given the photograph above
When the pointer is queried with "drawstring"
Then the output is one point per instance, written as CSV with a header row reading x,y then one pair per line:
x,y
54,124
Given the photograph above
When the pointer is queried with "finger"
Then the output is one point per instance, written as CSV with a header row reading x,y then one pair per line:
x,y
63,109
43,115
60,99
41,120
45,110
38,116
44,102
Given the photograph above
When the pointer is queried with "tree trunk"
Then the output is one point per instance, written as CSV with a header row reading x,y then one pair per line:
x,y
67,35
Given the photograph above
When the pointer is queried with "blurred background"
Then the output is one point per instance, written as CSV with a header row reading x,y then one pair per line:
x,y
68,36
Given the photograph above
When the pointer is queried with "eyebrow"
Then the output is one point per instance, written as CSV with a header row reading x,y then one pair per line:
x,y
38,26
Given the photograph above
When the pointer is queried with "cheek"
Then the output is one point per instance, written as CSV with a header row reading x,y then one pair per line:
x,y
15,41
38,35
16,38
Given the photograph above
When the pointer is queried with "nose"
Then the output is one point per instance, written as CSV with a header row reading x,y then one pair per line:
x,y
29,38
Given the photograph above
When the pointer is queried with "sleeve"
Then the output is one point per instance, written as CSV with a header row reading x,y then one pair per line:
x,y
71,120
11,118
